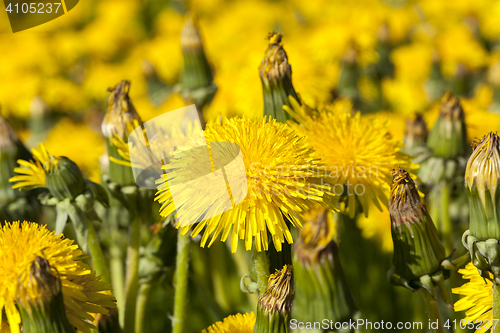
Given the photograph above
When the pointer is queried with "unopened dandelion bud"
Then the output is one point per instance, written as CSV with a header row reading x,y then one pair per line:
x,y
196,79
415,133
120,114
448,137
41,302
276,76
64,179
318,272
274,306
157,90
481,181
419,256
417,248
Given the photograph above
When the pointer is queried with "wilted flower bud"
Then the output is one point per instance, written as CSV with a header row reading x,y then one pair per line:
x,y
448,137
120,112
121,115
276,76
273,309
41,302
418,252
318,272
417,248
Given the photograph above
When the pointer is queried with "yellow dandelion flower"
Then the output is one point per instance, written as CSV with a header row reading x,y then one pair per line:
x,y
31,174
478,300
83,292
238,323
358,153
280,179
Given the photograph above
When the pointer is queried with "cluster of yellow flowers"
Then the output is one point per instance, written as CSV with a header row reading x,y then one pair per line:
x,y
387,59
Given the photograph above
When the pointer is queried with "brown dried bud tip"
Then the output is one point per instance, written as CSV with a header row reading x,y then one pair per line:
x,y
404,204
279,292
43,284
416,129
190,35
451,107
120,111
275,66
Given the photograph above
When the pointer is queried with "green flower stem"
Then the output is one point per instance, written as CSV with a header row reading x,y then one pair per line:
x,y
132,276
96,253
181,283
117,273
446,224
142,299
262,269
496,309
432,310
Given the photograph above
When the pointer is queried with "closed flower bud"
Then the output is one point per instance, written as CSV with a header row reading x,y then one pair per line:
x,y
448,137
196,79
481,181
121,114
276,76
320,285
415,133
274,306
64,178
417,248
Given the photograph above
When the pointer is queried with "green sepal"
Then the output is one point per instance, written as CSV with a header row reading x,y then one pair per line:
x,y
276,95
448,138
417,248
270,321
484,222
120,174
321,289
65,179
196,72
483,253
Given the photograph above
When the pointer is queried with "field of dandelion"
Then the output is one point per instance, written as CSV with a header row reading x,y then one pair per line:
x,y
367,195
